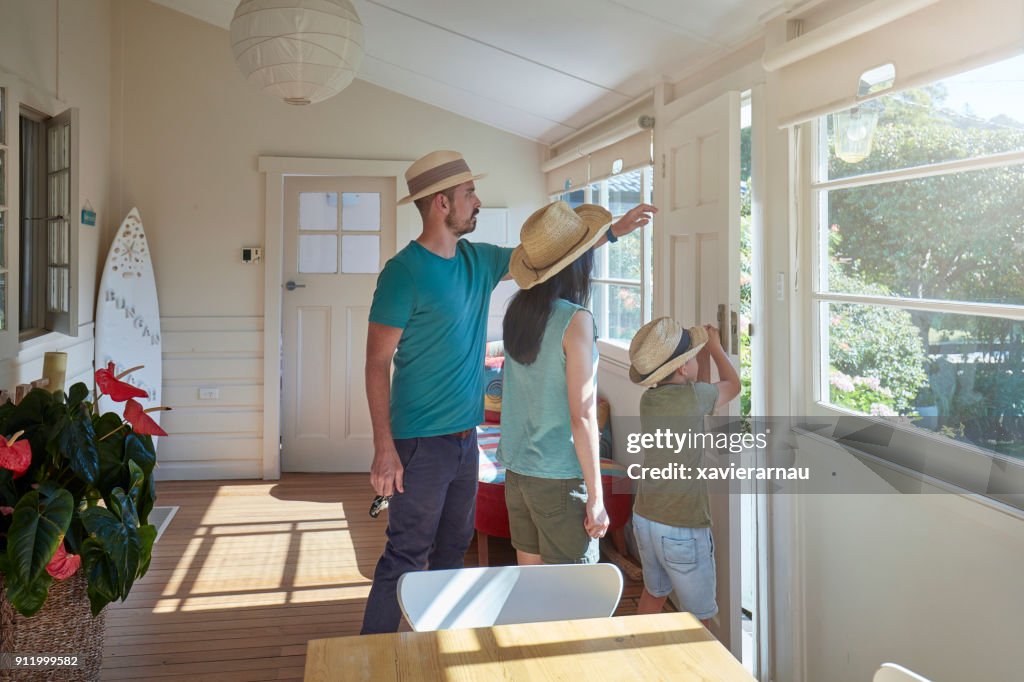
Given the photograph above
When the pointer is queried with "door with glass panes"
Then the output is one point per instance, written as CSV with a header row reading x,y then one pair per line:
x,y
339,231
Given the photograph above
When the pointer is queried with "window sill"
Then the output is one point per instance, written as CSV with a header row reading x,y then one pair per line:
x,y
39,339
931,456
615,352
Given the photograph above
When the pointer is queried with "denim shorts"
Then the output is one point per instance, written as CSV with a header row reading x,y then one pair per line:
x,y
680,559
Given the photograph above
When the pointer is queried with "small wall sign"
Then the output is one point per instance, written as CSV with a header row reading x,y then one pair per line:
x,y
88,215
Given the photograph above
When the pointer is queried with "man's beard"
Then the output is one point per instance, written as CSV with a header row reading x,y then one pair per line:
x,y
463,228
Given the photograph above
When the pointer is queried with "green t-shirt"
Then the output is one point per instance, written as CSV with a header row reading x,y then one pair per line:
x,y
441,304
680,408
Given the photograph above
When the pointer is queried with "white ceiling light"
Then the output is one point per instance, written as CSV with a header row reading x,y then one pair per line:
x,y
302,51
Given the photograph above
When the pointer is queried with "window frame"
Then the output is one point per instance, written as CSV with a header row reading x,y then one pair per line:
x,y
615,349
967,467
38,249
48,320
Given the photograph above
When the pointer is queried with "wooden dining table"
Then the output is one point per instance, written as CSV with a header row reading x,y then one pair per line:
x,y
664,646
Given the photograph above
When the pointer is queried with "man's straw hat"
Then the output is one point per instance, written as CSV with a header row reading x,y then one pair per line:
x,y
436,171
553,237
661,347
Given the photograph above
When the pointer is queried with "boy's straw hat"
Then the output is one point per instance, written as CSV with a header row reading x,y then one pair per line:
x,y
661,347
436,171
553,237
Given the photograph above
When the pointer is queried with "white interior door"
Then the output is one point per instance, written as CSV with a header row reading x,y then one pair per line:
x,y
698,247
338,233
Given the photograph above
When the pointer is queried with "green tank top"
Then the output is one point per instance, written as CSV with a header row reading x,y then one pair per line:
x,y
536,437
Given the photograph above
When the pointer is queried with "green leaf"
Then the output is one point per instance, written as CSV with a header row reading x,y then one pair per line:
x,y
100,574
78,393
141,452
31,411
111,452
138,480
77,442
147,535
39,521
118,539
28,597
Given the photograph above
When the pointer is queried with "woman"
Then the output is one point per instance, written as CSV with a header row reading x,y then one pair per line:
x,y
549,436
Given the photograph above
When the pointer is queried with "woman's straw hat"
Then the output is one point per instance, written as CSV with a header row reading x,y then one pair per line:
x,y
553,237
436,171
661,347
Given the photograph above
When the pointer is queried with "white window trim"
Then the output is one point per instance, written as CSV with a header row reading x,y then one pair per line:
x,y
928,455
617,351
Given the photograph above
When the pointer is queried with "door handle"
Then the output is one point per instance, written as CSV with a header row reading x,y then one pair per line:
x,y
292,286
723,325
734,330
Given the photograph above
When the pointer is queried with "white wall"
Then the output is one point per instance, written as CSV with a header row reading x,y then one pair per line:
x,y
925,578
189,131
50,62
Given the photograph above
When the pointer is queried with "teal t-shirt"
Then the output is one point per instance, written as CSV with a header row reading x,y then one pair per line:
x,y
536,432
441,305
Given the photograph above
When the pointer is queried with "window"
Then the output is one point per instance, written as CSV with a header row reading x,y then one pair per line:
x,y
919,260
48,245
622,287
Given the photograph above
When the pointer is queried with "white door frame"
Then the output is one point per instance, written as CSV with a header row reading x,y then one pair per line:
x,y
276,168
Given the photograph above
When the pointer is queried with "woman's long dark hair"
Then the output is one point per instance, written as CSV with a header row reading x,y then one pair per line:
x,y
528,313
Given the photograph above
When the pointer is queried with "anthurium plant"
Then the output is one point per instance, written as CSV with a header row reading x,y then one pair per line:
x,y
76,490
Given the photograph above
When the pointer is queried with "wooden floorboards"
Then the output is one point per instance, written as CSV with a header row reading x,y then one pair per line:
x,y
248,571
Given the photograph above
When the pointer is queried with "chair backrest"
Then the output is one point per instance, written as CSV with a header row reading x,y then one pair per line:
x,y
890,672
499,595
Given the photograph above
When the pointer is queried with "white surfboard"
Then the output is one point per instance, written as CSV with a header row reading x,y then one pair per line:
x,y
128,316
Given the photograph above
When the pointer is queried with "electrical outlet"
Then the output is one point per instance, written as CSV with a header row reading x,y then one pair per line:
x,y
209,394
252,254
780,286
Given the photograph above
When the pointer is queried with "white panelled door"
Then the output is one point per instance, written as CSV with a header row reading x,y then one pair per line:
x,y
698,247
339,232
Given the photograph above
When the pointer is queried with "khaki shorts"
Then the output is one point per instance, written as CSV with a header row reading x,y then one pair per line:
x,y
546,517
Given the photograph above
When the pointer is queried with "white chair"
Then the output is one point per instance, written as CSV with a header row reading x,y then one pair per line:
x,y
499,595
890,672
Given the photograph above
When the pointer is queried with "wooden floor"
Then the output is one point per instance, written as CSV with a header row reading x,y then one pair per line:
x,y
248,571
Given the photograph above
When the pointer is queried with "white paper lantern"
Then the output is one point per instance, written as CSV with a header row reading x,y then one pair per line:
x,y
302,51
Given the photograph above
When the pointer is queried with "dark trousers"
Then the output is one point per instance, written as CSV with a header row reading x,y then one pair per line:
x,y
430,525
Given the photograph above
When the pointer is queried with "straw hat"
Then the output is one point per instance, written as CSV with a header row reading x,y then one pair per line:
x,y
661,347
436,171
553,237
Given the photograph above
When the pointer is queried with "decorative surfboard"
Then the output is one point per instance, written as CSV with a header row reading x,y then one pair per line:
x,y
128,316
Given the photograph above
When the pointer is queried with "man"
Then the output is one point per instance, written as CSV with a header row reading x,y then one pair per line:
x,y
431,305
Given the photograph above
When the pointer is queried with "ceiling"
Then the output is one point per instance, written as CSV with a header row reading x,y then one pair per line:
x,y
541,69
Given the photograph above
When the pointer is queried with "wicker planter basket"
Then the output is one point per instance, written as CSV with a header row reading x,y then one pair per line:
x,y
63,627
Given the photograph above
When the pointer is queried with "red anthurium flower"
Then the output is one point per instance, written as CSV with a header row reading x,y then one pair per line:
x,y
118,390
15,454
63,565
141,422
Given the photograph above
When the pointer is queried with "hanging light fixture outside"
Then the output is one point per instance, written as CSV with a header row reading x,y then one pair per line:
x,y
855,131
302,51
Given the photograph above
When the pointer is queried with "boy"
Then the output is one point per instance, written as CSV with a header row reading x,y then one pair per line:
x,y
671,517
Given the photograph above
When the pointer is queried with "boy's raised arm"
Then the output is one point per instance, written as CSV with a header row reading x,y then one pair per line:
x,y
728,380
